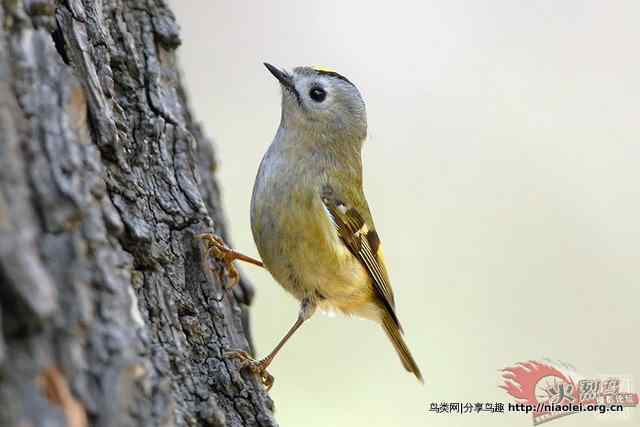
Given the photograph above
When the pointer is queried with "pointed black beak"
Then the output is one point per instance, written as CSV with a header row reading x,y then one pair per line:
x,y
283,77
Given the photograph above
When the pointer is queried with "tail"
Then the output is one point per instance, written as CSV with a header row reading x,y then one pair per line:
x,y
393,332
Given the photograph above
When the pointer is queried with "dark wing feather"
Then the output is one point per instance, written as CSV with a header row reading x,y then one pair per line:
x,y
363,242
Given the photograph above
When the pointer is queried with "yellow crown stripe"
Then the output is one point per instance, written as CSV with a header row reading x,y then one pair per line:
x,y
323,69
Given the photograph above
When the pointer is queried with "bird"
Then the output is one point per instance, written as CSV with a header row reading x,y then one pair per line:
x,y
310,219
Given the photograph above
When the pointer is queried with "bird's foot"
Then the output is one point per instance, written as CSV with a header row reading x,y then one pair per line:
x,y
216,248
258,367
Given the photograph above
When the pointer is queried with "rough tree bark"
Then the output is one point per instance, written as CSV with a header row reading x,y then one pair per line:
x,y
107,315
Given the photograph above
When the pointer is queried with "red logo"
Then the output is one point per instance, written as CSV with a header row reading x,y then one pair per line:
x,y
550,392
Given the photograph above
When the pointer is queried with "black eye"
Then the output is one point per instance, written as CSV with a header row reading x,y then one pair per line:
x,y
317,94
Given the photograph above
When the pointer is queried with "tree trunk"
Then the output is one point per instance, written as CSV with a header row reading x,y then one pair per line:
x,y
108,313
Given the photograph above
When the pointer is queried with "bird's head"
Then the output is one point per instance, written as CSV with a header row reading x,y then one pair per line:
x,y
321,102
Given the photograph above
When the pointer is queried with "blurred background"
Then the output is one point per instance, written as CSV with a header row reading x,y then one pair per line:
x,y
503,170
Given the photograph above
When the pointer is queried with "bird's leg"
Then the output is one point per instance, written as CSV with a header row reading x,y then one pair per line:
x,y
216,248
259,367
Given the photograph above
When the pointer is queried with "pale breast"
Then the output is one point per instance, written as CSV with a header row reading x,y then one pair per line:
x,y
301,248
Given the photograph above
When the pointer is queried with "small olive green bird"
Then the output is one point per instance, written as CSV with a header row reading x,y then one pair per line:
x,y
310,220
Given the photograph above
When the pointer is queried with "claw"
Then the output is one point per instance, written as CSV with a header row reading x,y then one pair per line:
x,y
216,248
258,367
